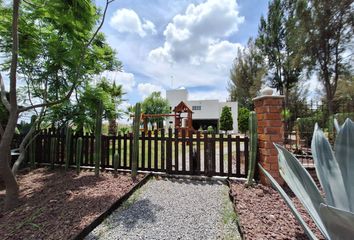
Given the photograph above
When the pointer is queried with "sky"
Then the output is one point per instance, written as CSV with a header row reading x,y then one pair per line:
x,y
167,44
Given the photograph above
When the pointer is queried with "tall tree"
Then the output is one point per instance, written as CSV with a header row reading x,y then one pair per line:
x,y
226,121
155,104
44,28
328,29
279,40
246,75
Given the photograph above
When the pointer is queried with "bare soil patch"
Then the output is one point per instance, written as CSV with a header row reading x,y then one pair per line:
x,y
58,204
263,213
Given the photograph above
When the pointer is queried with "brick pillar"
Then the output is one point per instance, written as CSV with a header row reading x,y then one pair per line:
x,y
270,130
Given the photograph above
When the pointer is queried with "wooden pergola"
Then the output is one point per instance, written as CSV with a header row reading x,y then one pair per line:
x,y
178,110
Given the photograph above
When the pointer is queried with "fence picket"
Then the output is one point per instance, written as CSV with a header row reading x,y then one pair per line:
x,y
177,152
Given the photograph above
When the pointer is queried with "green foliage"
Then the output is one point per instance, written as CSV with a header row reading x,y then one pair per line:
x,y
280,41
327,28
55,54
246,75
78,156
226,121
305,126
285,114
124,129
243,115
342,116
334,213
210,130
253,136
98,137
136,133
155,104
82,113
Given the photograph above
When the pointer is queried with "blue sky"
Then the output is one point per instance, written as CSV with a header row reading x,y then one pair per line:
x,y
166,44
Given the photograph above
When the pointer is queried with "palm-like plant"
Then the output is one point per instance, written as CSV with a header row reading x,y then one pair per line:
x,y
334,213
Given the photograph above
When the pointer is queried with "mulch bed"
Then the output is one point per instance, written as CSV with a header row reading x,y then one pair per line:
x,y
58,204
263,213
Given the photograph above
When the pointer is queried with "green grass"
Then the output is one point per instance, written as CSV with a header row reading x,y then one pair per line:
x,y
229,219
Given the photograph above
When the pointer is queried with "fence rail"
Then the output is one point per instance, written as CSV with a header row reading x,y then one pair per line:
x,y
174,152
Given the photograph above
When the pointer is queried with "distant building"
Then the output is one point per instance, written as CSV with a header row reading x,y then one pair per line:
x,y
205,112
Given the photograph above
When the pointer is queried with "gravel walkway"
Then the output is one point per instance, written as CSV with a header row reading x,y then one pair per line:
x,y
173,209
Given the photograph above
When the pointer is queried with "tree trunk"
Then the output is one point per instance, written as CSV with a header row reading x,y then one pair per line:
x,y
12,189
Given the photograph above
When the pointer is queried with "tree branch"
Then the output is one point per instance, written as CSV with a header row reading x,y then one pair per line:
x,y
3,94
74,85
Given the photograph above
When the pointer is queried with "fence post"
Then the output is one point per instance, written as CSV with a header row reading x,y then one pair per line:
x,y
169,152
270,128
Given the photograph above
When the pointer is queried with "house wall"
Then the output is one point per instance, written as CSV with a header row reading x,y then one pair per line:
x,y
202,109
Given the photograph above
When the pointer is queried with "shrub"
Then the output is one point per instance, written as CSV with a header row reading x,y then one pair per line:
x,y
210,129
226,121
243,114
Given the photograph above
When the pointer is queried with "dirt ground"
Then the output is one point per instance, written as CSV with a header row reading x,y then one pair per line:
x,y
263,213
58,204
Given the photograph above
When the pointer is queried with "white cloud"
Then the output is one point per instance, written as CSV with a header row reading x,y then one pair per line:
x,y
222,53
127,20
146,89
123,78
192,35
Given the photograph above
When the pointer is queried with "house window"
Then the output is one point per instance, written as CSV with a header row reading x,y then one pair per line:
x,y
196,107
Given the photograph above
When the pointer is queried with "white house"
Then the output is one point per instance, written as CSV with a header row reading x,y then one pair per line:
x,y
205,112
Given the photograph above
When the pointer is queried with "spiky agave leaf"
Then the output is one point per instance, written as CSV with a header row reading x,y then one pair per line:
x,y
339,223
328,171
302,184
344,152
290,204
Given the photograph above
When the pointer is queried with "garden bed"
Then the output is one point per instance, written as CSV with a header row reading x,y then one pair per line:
x,y
264,215
59,205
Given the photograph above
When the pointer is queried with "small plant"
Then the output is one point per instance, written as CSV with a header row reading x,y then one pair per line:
x,y
210,130
334,214
124,130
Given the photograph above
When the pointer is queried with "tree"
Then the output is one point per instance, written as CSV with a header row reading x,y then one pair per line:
x,y
155,104
63,29
280,42
81,114
226,121
246,75
328,29
243,115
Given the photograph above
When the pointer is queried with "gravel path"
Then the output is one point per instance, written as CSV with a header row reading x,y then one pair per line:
x,y
173,209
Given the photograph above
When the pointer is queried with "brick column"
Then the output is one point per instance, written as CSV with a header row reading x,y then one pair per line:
x,y
270,130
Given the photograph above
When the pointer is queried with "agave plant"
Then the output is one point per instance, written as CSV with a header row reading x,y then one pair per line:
x,y
334,213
